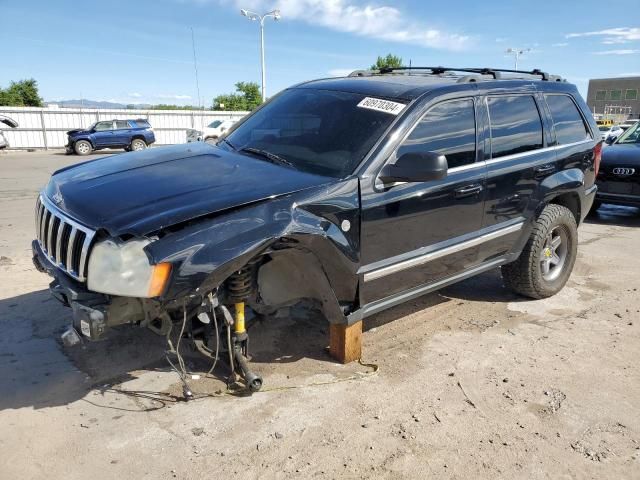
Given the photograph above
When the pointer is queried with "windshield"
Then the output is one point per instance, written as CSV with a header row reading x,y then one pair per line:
x,y
214,124
632,135
316,131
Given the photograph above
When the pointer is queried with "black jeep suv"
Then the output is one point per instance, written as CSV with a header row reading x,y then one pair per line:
x,y
355,193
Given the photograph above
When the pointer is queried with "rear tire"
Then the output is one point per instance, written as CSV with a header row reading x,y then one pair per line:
x,y
137,144
83,147
547,260
211,140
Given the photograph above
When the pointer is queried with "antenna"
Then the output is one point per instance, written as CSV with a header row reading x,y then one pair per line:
x,y
195,67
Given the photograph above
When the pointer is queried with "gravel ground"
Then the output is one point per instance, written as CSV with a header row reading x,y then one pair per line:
x,y
473,382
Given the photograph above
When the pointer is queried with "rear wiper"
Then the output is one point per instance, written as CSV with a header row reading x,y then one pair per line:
x,y
271,157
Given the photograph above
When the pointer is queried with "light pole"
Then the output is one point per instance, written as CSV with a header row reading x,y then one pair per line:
x,y
516,52
254,16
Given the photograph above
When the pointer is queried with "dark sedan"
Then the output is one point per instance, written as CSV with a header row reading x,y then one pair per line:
x,y
619,177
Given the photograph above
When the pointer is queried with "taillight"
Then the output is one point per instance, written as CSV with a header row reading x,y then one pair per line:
x,y
598,156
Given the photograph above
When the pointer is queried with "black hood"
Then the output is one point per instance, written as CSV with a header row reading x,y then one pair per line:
x,y
141,192
78,130
624,154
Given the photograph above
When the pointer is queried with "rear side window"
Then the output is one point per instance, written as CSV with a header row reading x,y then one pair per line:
x,y
515,125
102,126
567,121
448,128
122,124
141,124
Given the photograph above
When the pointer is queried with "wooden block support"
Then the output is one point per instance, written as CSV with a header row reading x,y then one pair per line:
x,y
345,342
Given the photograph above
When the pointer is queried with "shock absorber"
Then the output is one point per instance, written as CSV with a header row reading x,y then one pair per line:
x,y
239,288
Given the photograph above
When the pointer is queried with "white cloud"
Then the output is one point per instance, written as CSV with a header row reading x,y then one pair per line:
x,y
340,72
627,51
368,20
561,44
174,96
612,36
134,95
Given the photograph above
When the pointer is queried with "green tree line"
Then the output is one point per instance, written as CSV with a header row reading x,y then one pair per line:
x,y
246,97
23,93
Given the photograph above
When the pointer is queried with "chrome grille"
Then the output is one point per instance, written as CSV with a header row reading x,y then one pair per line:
x,y
65,242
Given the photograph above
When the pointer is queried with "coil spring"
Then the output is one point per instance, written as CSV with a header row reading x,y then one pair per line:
x,y
240,285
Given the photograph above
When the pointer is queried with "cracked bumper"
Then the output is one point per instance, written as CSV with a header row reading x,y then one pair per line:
x,y
91,310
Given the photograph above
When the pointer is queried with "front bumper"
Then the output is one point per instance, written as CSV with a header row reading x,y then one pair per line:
x,y
93,313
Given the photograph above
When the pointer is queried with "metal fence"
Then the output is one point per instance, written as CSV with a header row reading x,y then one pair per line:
x,y
46,127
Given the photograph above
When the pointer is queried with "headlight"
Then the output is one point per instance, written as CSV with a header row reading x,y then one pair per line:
x,y
122,268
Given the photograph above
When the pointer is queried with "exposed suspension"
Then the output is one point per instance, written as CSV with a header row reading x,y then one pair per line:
x,y
240,286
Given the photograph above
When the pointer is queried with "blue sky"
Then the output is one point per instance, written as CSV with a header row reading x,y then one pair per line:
x,y
139,51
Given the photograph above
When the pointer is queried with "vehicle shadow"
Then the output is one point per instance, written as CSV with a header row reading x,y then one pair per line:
x,y
619,215
38,371
90,156
486,287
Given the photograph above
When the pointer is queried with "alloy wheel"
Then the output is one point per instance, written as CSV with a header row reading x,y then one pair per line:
x,y
554,253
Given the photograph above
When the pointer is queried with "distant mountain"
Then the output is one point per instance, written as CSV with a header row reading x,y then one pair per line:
x,y
84,103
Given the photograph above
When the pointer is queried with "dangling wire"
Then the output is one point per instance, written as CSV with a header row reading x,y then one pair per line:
x,y
182,373
230,348
215,322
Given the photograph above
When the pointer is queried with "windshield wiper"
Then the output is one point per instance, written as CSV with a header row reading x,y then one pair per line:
x,y
271,157
228,143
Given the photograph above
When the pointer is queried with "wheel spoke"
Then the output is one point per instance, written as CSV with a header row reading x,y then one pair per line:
x,y
555,259
546,265
556,242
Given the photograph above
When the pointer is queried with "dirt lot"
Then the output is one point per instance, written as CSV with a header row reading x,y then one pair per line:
x,y
474,382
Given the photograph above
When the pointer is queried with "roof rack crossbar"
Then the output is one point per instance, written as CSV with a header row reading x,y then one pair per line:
x,y
482,71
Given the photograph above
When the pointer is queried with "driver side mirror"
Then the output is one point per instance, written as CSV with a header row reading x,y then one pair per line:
x,y
610,140
415,167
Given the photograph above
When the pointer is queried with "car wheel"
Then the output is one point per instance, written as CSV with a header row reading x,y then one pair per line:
x,y
137,144
546,262
83,147
211,140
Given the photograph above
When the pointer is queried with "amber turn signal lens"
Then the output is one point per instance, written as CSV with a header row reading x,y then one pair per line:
x,y
159,279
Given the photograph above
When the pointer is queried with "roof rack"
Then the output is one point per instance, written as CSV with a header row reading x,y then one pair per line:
x,y
494,73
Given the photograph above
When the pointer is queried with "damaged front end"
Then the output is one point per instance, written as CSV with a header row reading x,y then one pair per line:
x,y
202,277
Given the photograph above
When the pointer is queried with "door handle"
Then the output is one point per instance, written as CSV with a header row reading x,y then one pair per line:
x,y
467,191
544,170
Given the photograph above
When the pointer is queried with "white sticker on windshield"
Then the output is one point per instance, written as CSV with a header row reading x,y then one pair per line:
x,y
387,106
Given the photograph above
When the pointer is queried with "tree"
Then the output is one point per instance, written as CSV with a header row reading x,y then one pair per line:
x,y
246,98
164,106
21,94
386,62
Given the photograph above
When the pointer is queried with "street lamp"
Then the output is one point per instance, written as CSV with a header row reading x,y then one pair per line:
x,y
275,14
516,52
